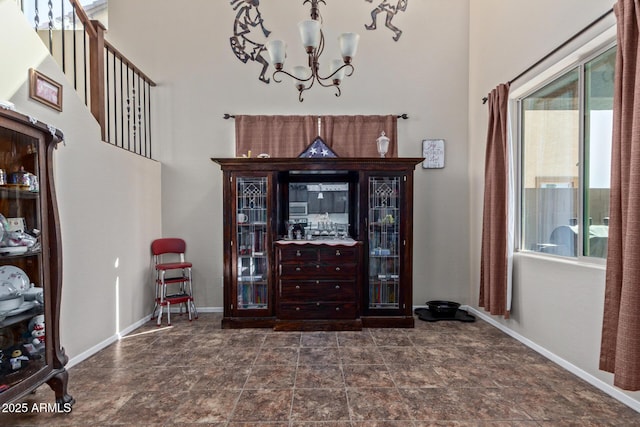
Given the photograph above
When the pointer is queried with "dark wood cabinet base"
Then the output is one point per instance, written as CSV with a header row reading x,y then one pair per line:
x,y
248,322
388,322
318,325
58,384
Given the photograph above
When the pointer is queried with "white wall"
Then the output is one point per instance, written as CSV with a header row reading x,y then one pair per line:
x,y
109,201
557,304
185,48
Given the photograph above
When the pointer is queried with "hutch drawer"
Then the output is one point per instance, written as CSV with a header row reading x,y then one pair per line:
x,y
317,290
298,253
317,310
337,255
317,269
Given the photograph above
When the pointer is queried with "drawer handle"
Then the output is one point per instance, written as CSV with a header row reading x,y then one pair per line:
x,y
298,269
337,308
337,253
337,268
297,286
298,253
317,265
318,304
337,286
297,308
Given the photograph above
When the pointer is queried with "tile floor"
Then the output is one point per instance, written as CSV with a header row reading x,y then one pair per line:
x,y
437,374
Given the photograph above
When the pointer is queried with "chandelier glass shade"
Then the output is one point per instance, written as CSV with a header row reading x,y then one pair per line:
x,y
312,38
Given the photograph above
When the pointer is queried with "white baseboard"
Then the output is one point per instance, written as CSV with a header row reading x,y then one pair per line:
x,y
100,346
594,381
96,348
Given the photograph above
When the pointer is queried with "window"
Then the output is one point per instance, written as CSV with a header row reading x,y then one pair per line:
x,y
94,9
565,137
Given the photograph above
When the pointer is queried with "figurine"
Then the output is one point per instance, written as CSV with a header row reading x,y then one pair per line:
x,y
36,326
16,359
38,334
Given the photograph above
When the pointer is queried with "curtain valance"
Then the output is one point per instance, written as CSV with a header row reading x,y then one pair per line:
x,y
288,136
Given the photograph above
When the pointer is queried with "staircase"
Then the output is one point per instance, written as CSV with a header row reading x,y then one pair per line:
x,y
116,91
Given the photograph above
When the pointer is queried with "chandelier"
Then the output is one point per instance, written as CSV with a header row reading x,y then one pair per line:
x,y
313,41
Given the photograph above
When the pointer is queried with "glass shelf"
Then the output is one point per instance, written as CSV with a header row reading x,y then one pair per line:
x,y
17,193
26,315
28,253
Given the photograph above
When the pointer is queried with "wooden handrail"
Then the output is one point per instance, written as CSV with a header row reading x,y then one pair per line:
x,y
128,63
82,15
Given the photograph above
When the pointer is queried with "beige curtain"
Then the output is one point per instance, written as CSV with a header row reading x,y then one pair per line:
x,y
493,265
620,350
278,136
355,136
288,136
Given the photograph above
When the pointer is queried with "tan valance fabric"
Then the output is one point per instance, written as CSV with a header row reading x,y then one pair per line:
x,y
278,136
288,136
355,136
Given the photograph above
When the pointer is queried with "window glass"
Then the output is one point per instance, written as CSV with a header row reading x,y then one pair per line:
x,y
565,200
598,133
550,142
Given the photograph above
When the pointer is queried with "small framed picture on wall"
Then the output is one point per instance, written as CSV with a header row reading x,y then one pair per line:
x,y
45,90
433,153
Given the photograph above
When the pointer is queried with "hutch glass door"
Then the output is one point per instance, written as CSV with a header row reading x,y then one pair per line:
x,y
251,243
22,280
383,227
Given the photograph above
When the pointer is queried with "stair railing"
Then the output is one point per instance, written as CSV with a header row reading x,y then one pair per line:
x,y
116,91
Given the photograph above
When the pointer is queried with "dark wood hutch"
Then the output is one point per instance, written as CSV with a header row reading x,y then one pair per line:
x,y
318,244
31,255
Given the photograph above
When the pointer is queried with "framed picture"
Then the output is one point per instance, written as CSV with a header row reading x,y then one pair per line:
x,y
45,90
433,153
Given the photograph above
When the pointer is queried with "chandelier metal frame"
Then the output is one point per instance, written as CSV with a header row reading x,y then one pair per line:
x,y
333,79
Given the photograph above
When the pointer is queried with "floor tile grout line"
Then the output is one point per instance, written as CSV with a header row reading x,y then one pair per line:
x,y
295,379
404,404
344,381
242,390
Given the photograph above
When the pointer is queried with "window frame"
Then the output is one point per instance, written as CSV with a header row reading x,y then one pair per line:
x,y
577,60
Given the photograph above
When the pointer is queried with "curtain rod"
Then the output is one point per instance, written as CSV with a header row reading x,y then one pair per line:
x,y
228,116
554,51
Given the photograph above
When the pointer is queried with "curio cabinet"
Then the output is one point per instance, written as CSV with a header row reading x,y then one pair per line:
x,y
30,262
